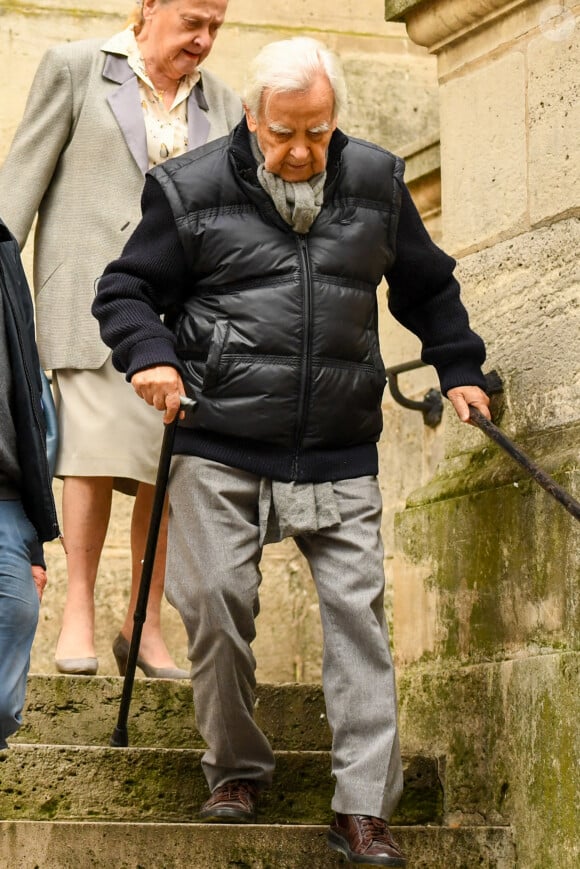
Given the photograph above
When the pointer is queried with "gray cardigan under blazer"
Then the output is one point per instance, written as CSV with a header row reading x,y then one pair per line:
x,y
78,159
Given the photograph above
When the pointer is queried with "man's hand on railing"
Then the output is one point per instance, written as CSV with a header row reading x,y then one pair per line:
x,y
461,397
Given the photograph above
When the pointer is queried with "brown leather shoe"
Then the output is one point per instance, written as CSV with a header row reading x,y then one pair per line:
x,y
234,802
364,839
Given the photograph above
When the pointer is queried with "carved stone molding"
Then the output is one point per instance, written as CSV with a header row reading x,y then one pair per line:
x,y
434,23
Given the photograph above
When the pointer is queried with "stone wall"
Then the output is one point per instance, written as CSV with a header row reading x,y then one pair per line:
x,y
392,86
487,620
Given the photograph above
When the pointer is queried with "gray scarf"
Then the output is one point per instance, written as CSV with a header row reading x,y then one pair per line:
x,y
297,202
288,509
292,509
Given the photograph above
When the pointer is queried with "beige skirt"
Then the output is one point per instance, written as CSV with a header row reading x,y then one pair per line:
x,y
105,429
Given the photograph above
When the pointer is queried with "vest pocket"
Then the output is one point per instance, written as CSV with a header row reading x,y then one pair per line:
x,y
375,354
219,340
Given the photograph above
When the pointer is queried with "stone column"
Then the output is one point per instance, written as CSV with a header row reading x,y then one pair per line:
x,y
487,600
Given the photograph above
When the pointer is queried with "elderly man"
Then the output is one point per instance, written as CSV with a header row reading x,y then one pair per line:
x,y
264,251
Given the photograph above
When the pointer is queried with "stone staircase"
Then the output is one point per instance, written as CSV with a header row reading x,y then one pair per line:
x,y
70,801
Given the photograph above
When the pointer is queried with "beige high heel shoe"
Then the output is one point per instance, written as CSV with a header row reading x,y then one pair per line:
x,y
121,652
77,666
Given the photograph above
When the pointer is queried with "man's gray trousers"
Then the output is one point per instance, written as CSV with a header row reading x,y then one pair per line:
x,y
213,577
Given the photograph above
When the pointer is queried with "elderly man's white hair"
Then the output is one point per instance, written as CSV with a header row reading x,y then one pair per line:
x,y
293,65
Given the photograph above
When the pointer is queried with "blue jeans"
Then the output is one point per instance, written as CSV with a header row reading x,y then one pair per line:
x,y
19,606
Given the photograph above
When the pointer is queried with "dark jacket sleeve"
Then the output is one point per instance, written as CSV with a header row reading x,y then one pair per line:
x,y
27,410
424,296
37,555
146,281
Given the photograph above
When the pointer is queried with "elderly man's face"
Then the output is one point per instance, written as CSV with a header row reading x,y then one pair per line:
x,y
294,130
180,33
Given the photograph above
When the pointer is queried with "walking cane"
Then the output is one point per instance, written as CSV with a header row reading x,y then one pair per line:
x,y
432,409
120,737
539,475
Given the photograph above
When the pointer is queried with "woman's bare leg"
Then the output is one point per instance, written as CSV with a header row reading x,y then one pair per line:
x,y
152,648
86,509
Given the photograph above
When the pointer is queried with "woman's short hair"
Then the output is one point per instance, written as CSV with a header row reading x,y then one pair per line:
x,y
136,17
293,65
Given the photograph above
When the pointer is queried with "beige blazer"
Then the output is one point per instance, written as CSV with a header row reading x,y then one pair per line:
x,y
78,160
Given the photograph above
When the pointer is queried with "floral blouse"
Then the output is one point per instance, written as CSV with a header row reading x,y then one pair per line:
x,y
166,128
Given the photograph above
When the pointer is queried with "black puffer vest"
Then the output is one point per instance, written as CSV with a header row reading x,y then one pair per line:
x,y
279,337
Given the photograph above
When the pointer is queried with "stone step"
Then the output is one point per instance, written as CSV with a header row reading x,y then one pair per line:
x,y
83,710
70,800
89,845
50,782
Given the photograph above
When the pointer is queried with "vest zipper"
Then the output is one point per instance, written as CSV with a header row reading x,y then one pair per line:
x,y
305,376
